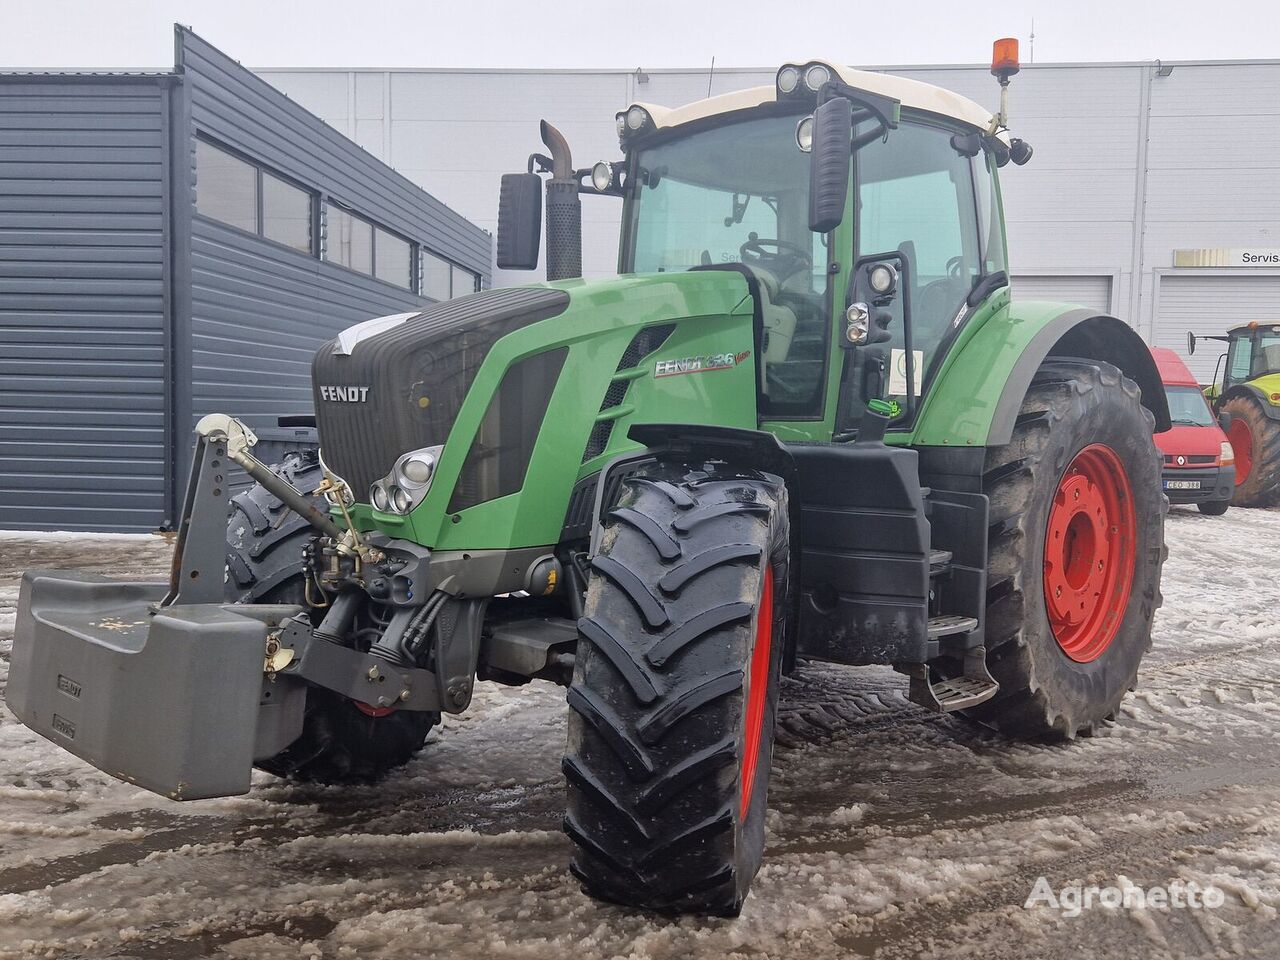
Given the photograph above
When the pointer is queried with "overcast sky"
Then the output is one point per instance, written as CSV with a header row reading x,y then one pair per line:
x,y
655,33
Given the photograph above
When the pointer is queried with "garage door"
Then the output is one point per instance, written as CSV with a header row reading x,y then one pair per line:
x,y
1207,304
1092,292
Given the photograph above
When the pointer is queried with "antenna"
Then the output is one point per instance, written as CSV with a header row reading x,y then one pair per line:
x,y
1032,51
711,74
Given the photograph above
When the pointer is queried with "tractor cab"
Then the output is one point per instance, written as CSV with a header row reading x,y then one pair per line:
x,y
1245,393
865,263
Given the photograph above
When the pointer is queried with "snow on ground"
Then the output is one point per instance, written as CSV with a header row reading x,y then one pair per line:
x,y
894,833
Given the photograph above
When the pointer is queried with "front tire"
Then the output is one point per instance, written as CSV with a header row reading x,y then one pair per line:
x,y
342,741
1214,508
1255,438
675,690
1076,550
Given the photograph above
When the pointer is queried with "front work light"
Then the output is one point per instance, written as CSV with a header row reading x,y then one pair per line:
x,y
804,134
637,117
602,175
788,79
816,76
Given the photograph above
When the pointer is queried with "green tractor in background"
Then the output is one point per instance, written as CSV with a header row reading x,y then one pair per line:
x,y
807,421
1245,394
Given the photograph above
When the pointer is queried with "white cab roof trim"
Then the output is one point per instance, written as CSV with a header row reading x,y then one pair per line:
x,y
349,337
912,94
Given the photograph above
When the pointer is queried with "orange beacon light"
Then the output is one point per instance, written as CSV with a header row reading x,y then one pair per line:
x,y
1004,58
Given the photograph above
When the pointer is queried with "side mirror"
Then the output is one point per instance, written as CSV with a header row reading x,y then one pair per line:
x,y
829,163
1191,343
519,221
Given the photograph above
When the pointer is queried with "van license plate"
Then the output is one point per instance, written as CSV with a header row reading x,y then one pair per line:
x,y
1182,484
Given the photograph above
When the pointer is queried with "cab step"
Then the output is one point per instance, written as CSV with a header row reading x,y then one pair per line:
x,y
974,686
949,624
939,562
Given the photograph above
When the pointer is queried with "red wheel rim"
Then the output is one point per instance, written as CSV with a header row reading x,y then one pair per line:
x,y
1089,552
1241,438
371,711
758,691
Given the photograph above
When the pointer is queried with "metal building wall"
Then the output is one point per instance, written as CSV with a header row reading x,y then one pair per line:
x,y
253,312
83,231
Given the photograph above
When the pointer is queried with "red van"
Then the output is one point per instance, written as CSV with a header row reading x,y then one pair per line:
x,y
1199,466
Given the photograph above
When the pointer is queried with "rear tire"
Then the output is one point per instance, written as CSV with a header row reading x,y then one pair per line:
x,y
1064,667
341,741
1214,508
675,690
1255,437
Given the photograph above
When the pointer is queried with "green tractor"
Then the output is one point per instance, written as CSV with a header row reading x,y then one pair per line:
x,y
806,421
1245,393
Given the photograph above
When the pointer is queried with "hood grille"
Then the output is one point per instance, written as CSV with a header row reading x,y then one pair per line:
x,y
410,381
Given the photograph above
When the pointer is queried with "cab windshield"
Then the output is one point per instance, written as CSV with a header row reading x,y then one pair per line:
x,y
1188,407
739,194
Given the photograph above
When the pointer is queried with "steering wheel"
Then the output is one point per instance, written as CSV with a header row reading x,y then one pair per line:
x,y
784,260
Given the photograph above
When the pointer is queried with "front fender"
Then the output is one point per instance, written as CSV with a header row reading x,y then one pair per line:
x,y
978,392
1263,389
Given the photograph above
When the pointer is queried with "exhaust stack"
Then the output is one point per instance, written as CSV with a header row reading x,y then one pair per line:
x,y
564,209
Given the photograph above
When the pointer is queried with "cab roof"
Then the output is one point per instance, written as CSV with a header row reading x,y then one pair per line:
x,y
1173,372
912,94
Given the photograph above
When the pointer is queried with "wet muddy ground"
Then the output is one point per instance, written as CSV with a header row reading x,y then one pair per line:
x,y
894,833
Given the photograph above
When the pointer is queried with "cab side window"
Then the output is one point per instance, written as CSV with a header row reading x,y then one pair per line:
x,y
1240,360
916,196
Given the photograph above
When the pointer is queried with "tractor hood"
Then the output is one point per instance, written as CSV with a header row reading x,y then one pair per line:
x,y
485,375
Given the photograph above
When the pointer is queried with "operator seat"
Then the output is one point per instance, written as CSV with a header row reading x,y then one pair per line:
x,y
779,320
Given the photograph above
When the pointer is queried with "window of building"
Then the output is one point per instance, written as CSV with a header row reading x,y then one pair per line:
x,y
442,280
393,259
226,187
464,281
241,194
349,242
286,213
436,277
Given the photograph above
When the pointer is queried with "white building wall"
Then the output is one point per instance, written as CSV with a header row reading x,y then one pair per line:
x,y
1129,165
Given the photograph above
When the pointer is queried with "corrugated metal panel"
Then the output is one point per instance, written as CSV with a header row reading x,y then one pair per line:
x,y
257,310
82,303
1210,305
244,111
1092,292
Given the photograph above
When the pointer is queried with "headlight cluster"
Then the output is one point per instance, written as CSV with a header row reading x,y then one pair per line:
x,y
807,79
1227,456
408,482
635,119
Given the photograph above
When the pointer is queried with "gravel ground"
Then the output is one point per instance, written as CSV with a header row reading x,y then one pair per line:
x,y
894,833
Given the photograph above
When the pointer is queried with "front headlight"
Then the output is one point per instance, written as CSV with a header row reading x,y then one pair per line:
x,y
1228,457
407,484
401,502
418,467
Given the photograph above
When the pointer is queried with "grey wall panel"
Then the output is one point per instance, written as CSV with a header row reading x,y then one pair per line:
x,y
1209,303
258,312
1086,291
82,303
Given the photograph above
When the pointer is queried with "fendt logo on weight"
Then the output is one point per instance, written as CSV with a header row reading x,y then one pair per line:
x,y
344,394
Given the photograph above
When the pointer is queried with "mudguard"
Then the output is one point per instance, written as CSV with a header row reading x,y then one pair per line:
x,y
975,398
1258,390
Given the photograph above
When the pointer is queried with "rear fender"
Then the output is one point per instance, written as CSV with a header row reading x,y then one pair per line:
x,y
1261,390
980,389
